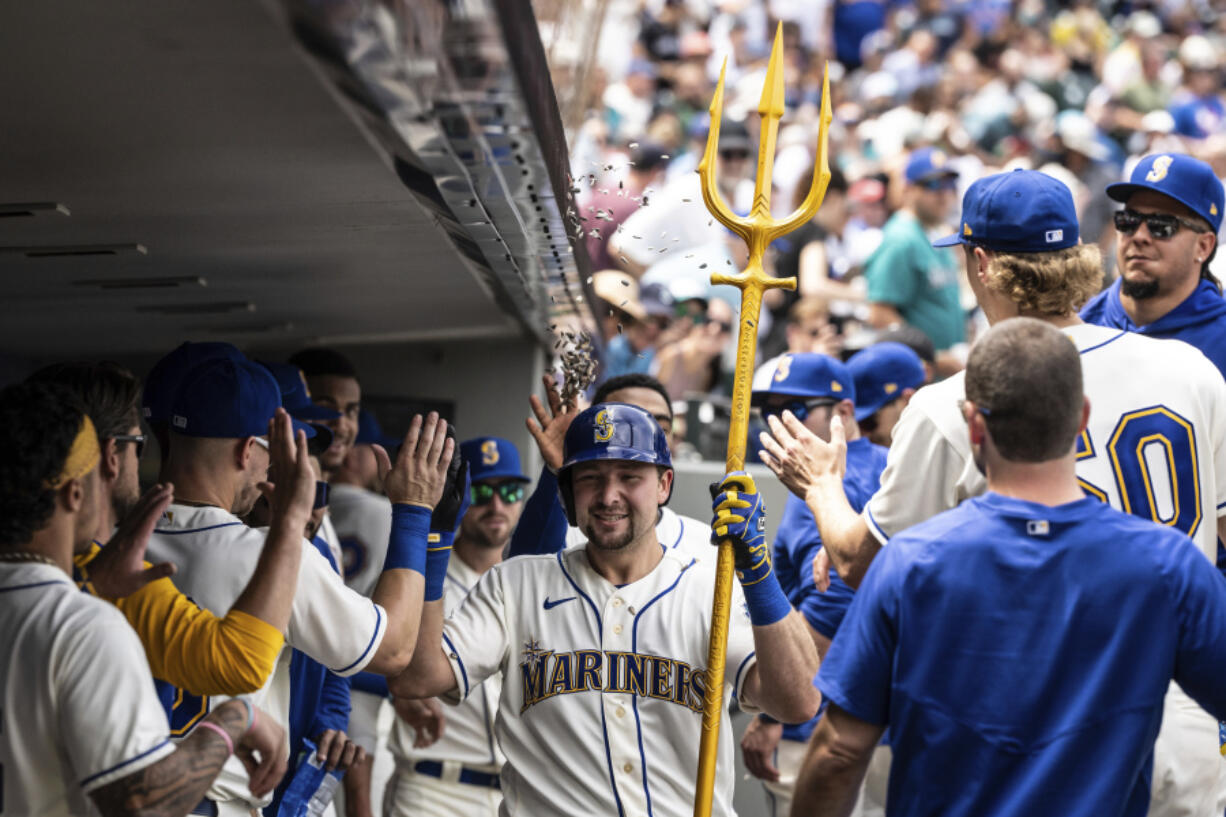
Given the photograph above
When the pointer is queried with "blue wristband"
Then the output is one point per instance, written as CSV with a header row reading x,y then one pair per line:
x,y
765,601
438,554
406,547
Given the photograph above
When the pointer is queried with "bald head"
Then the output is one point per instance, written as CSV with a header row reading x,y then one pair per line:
x,y
1024,376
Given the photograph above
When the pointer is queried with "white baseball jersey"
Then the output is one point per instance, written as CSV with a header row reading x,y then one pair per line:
x,y
1155,445
602,686
327,532
79,707
216,555
469,734
363,522
691,536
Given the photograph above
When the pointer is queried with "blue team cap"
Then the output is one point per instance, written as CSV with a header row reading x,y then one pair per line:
x,y
229,399
1187,180
492,458
881,372
371,433
296,395
167,375
928,164
807,374
1020,211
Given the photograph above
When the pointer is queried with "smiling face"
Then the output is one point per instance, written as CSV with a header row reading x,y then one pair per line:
x,y
343,394
1154,267
617,503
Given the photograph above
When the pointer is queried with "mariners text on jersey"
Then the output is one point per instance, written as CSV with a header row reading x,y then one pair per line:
x,y
546,674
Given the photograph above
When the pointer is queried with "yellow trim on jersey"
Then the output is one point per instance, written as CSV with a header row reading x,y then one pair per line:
x,y
193,649
1144,466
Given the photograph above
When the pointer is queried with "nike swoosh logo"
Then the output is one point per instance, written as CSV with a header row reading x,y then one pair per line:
x,y
549,605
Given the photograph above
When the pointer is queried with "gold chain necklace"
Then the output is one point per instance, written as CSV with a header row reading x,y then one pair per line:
x,y
27,556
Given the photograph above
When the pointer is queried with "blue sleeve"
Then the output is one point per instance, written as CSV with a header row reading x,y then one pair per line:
x,y
1200,591
542,525
372,683
857,674
333,712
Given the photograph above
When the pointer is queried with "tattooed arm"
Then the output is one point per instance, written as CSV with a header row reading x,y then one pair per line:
x,y
177,783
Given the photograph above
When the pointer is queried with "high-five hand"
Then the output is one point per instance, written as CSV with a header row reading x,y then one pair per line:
x,y
420,473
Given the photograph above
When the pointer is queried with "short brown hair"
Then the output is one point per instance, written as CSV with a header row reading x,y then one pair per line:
x,y
1024,375
1048,283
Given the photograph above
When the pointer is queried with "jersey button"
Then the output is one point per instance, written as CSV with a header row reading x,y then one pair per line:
x,y
628,768
621,711
617,629
617,602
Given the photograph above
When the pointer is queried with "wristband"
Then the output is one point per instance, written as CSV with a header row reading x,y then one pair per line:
x,y
765,601
406,547
212,727
250,714
438,554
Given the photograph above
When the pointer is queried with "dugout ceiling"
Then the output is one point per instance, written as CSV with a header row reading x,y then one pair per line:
x,y
271,173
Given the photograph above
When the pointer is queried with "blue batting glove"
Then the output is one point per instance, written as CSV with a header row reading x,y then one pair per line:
x,y
740,517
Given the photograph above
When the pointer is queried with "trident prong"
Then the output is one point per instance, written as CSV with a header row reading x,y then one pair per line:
x,y
757,230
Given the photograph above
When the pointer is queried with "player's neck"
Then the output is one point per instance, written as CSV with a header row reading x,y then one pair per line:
x,y
53,541
1144,311
1048,483
195,485
628,565
477,557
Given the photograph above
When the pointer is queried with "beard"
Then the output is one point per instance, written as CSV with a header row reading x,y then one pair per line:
x,y
1139,290
474,532
122,504
611,541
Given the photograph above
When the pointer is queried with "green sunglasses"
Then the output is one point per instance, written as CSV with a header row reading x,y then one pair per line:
x,y
482,493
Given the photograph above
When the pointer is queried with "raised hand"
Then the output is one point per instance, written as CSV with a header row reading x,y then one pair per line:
x,y
549,427
120,569
799,457
456,495
292,496
420,472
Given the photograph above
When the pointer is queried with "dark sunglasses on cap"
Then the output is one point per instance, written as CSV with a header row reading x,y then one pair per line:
x,y
1160,225
799,408
139,439
482,493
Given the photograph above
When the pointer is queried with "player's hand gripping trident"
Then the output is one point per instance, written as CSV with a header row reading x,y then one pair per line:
x,y
758,230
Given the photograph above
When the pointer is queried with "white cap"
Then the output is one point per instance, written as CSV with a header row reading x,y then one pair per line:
x,y
1197,53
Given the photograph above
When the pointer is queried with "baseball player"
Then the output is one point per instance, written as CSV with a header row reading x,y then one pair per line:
x,y
1173,207
217,460
1155,445
1019,647
457,775
164,379
601,647
80,721
543,527
886,376
188,647
815,388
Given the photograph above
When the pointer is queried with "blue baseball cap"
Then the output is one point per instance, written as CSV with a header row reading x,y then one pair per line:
x,y
229,399
881,372
371,433
492,458
1020,211
808,374
167,375
296,395
927,164
1183,178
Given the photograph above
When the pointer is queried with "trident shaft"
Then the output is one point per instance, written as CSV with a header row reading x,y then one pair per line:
x,y
757,230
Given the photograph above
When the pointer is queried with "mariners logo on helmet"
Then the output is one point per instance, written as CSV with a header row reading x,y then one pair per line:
x,y
489,452
783,368
603,427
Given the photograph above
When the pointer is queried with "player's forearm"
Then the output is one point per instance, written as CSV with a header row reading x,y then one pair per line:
x,y
829,778
787,661
178,782
845,534
357,789
269,596
400,593
429,674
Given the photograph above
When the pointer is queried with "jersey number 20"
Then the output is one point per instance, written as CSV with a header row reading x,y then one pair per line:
x,y
1152,449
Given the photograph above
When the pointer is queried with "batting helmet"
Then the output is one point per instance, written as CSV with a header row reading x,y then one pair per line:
x,y
610,431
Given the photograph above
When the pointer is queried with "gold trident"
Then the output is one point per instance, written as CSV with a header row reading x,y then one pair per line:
x,y
757,230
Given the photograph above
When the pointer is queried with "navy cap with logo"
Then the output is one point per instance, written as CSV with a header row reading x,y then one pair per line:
x,y
928,164
1019,211
492,458
228,399
808,374
167,375
296,396
371,433
882,372
1185,179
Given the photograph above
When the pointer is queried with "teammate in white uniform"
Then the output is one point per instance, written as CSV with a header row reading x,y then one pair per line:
x,y
457,775
217,461
79,718
603,648
1155,445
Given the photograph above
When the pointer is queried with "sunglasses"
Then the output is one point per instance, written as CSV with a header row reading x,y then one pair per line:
x,y
799,408
482,493
940,183
1160,225
139,439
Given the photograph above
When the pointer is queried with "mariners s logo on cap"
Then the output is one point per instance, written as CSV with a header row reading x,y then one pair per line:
x,y
489,452
603,426
1162,166
782,369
